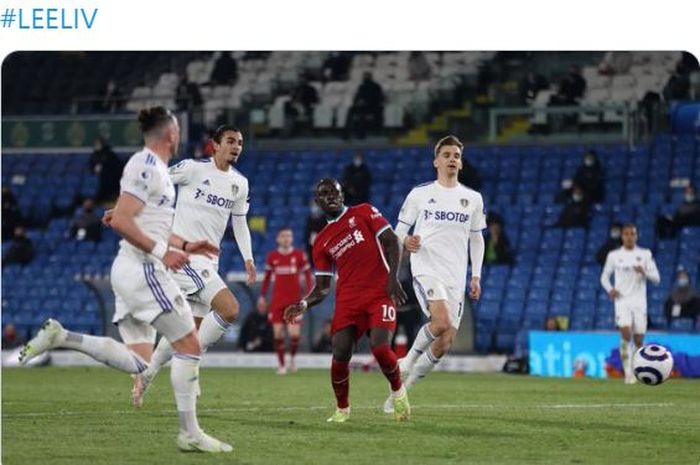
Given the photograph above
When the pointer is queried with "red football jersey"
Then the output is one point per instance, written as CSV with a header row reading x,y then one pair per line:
x,y
350,243
286,270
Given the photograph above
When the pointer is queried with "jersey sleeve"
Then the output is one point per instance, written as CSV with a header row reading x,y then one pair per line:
x,y
181,173
478,222
375,220
139,179
409,210
607,272
241,202
322,263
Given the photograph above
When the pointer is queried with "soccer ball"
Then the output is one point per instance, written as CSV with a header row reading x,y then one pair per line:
x,y
652,364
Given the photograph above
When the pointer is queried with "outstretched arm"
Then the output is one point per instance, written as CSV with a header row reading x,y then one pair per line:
x,y
476,255
319,292
241,232
392,253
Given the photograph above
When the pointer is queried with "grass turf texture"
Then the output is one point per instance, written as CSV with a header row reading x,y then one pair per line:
x,y
83,416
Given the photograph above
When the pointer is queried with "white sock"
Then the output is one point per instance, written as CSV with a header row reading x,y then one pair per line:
x,y
212,328
184,376
105,350
400,392
423,340
161,355
626,358
422,367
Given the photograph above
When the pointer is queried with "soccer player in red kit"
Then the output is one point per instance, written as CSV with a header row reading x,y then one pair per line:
x,y
360,244
285,265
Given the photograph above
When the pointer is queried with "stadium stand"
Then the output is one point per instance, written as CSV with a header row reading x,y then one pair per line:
x,y
554,274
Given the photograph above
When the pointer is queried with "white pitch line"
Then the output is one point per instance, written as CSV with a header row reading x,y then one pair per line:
x,y
324,407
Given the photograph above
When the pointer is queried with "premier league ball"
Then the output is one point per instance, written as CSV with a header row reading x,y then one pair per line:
x,y
652,364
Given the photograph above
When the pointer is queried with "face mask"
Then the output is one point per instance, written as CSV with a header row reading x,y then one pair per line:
x,y
589,162
682,282
615,234
689,197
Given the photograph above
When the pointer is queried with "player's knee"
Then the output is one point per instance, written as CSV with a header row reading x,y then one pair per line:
x,y
439,327
189,344
342,354
226,305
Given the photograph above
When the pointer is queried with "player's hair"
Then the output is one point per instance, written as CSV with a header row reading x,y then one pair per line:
x,y
221,130
284,228
628,225
448,140
329,181
153,119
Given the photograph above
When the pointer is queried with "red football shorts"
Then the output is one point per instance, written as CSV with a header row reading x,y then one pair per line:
x,y
276,315
379,313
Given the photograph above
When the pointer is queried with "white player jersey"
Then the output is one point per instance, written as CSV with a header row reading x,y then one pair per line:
x,y
206,199
443,218
146,177
631,285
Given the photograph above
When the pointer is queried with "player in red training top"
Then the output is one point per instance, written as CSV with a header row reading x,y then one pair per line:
x,y
284,267
364,250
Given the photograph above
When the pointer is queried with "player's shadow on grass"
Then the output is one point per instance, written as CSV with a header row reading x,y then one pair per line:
x,y
364,424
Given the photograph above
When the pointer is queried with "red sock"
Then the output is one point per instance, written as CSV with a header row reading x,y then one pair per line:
x,y
340,379
279,347
388,362
293,345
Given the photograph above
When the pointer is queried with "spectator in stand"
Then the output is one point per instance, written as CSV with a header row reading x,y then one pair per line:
x,y
498,251
591,178
11,216
418,67
314,224
10,339
615,63
21,252
678,85
113,99
323,344
105,164
684,301
552,324
576,211
357,181
225,72
336,66
469,175
299,109
687,214
187,95
613,242
531,85
571,88
256,332
367,111
87,225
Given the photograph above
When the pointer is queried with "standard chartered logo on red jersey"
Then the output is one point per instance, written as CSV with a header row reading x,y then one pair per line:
x,y
346,243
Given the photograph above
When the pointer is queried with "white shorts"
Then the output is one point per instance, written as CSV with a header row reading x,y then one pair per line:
x,y
632,316
200,284
146,295
429,289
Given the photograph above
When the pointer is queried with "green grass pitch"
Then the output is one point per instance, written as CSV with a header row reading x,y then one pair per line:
x,y
83,416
